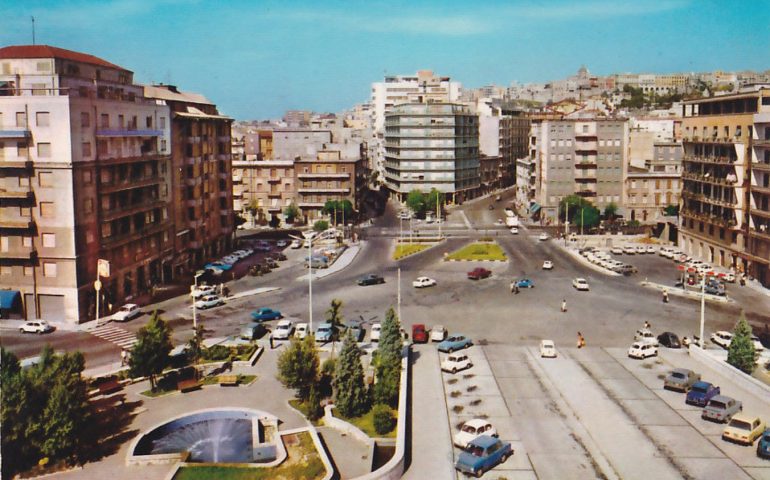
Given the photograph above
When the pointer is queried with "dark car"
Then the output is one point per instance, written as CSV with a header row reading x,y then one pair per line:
x,y
763,447
701,393
370,279
482,454
670,340
265,314
479,273
357,331
419,334
253,331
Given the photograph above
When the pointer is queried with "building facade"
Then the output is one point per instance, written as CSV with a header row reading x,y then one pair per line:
x,y
328,177
432,146
649,190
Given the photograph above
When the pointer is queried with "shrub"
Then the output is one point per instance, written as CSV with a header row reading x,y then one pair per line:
x,y
218,352
383,419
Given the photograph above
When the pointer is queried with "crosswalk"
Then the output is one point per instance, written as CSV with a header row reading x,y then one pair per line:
x,y
112,333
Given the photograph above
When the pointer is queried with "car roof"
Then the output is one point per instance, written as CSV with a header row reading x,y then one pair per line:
x,y
476,422
285,322
745,417
325,324
484,441
722,398
701,383
681,370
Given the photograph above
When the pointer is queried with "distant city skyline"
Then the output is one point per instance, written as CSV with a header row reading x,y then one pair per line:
x,y
257,60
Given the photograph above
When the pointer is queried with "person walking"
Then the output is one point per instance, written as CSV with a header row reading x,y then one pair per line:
x,y
665,296
564,306
123,357
581,342
647,325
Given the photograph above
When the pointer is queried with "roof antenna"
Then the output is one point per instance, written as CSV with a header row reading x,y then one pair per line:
x,y
33,30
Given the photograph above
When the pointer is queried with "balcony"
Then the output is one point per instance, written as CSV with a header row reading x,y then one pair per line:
x,y
129,183
765,167
310,176
760,213
127,132
274,194
16,198
760,234
323,190
123,211
274,179
711,179
135,234
711,160
19,256
585,179
760,189
708,199
20,225
586,193
585,146
14,132
20,164
195,202
311,204
585,164
765,142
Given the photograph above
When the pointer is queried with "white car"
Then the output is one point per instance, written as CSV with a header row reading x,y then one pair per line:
x,y
547,349
36,326
547,265
455,362
375,335
471,430
758,347
651,249
722,338
283,330
126,313
209,301
202,290
543,237
301,331
296,244
515,230
629,250
438,333
645,335
641,250
422,282
642,350
616,251
281,243
580,284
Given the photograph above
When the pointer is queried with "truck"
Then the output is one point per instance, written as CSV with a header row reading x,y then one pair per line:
x,y
512,221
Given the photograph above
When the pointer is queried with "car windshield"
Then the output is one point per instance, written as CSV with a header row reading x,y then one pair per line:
x,y
469,429
740,424
678,375
477,451
699,388
717,405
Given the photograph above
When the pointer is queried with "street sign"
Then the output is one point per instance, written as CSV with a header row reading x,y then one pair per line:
x,y
98,285
103,268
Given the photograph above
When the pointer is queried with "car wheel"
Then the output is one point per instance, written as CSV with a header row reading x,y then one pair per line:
x,y
454,369
450,350
479,472
39,332
21,330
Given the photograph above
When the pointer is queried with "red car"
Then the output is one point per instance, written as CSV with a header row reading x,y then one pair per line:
x,y
479,273
419,334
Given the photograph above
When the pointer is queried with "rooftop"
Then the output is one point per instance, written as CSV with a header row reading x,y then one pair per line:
x,y
47,51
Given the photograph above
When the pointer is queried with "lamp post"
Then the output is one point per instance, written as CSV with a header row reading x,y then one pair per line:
x,y
309,278
702,307
193,289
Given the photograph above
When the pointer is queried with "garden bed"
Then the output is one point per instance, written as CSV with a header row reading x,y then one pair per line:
x,y
222,353
479,252
405,249
365,423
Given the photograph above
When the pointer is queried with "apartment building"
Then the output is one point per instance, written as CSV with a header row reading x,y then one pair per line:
x,y
586,157
656,185
85,163
432,146
726,175
201,178
328,177
263,188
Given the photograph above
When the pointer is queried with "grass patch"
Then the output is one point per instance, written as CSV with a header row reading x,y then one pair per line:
x,y
221,353
479,251
302,463
366,423
406,249
214,379
304,410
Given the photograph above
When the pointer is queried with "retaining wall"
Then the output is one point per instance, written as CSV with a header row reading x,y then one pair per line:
x,y
747,382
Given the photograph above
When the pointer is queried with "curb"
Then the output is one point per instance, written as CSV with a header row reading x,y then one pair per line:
x,y
678,292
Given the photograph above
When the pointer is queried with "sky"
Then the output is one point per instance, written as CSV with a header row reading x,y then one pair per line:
x,y
257,59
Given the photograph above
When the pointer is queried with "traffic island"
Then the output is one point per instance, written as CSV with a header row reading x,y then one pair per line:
x,y
478,251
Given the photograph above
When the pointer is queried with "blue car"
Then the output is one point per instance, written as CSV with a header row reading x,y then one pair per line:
x,y
701,392
483,454
454,342
217,266
265,313
763,447
324,333
525,283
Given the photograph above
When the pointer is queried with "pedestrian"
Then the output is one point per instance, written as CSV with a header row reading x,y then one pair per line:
x,y
743,279
513,286
270,337
123,357
516,289
564,305
581,342
647,325
665,296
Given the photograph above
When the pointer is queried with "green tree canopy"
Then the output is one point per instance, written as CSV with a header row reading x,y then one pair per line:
x,y
352,399
334,316
741,353
298,366
416,202
571,205
587,217
611,211
291,212
434,201
321,226
388,362
150,354
671,210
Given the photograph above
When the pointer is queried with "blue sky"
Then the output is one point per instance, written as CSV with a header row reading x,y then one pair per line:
x,y
256,59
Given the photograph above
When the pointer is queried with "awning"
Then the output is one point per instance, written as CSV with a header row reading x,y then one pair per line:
x,y
534,208
8,298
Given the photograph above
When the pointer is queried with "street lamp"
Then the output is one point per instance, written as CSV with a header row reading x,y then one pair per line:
x,y
702,307
193,289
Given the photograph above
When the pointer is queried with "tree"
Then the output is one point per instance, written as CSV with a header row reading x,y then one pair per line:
x,y
330,208
571,205
671,210
321,226
434,201
291,212
741,353
388,362
334,317
382,418
298,366
195,346
587,217
275,222
345,210
416,202
150,354
352,399
611,211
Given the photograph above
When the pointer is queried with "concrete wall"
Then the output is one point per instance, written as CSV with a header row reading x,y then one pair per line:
x,y
747,382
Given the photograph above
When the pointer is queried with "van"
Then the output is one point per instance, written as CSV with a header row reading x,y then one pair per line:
x,y
317,262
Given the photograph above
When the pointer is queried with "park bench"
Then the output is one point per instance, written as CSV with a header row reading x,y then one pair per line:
x,y
188,385
228,380
108,387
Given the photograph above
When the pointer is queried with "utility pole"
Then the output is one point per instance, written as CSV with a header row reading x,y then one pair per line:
x,y
702,307
33,37
399,294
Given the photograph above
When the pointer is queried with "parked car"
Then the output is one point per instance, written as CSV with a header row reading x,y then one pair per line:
x,y
483,454
281,243
641,250
419,334
763,447
284,330
356,330
456,362
722,338
127,312
479,273
253,331
36,326
301,330
743,429
370,279
375,335
547,265
471,430
202,290
264,314
454,342
617,250
423,282
642,350
721,408
295,244
629,250
758,347
209,301
715,289
580,284
669,340
218,266
525,283
645,335
681,379
323,333
700,393
437,333
547,349
543,237
650,249
317,262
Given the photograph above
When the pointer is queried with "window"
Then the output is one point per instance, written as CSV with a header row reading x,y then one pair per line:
x,y
22,150
47,210
21,119
26,242
105,122
3,244
45,179
162,122
86,149
27,271
24,181
6,270
49,240
44,150
149,122
43,119
89,236
85,120
49,269
88,205
121,121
